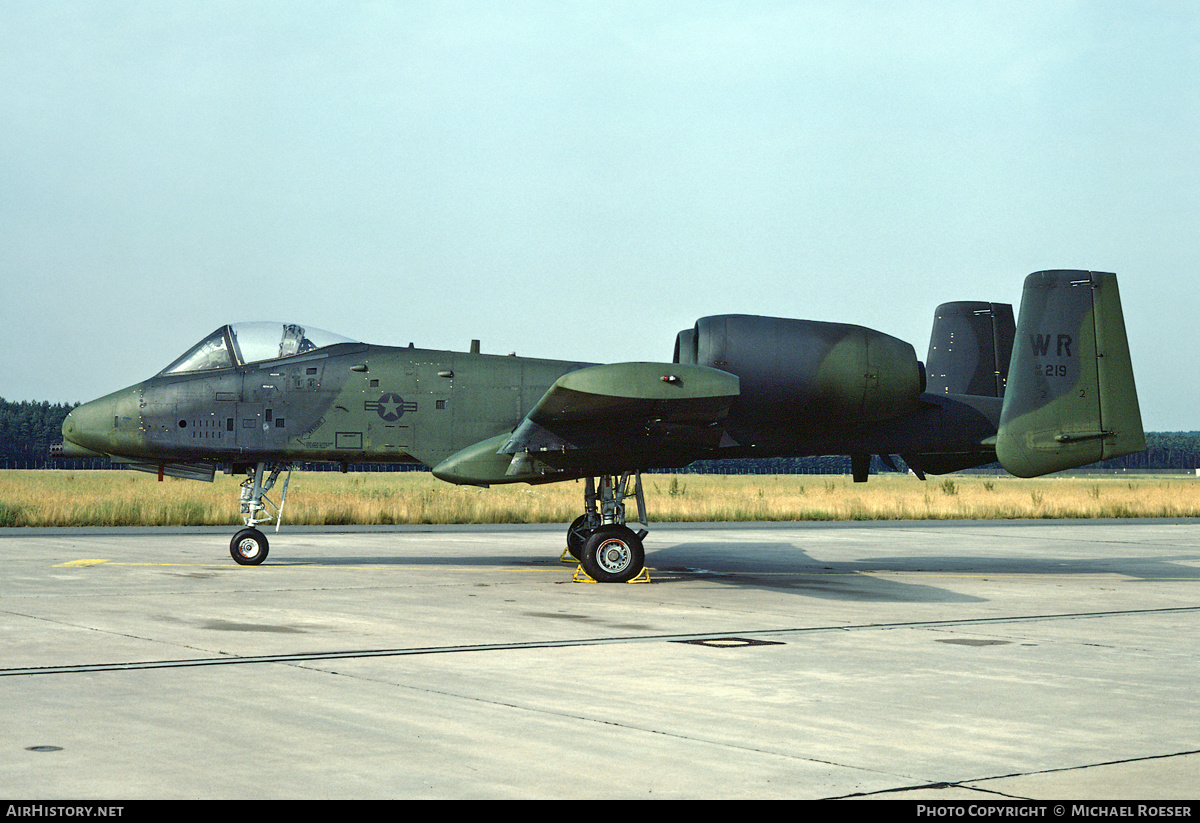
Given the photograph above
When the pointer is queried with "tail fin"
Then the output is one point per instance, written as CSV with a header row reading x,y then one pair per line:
x,y
1070,398
969,349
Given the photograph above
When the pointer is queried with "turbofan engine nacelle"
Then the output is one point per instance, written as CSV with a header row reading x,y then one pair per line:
x,y
806,370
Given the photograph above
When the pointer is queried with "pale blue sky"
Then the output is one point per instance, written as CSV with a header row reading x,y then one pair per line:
x,y
581,180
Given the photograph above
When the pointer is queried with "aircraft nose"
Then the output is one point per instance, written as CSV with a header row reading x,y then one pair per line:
x,y
68,426
84,432
109,425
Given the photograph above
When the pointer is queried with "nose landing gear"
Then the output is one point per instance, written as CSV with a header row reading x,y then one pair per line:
x,y
249,546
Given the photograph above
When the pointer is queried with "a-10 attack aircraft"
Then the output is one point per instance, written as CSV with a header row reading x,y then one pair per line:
x,y
1052,392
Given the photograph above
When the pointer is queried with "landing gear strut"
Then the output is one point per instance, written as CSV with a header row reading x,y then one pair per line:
x,y
608,550
249,546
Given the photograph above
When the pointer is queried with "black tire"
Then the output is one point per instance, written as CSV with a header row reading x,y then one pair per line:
x,y
577,535
248,547
613,554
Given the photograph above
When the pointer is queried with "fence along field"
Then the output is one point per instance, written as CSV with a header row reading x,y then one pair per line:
x,y
125,498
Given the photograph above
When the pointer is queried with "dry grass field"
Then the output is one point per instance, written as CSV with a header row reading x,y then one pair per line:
x,y
116,498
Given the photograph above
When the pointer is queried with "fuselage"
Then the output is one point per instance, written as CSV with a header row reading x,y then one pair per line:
x,y
358,403
349,402
279,393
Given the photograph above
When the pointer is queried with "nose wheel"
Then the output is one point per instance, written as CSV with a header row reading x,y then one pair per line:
x,y
248,547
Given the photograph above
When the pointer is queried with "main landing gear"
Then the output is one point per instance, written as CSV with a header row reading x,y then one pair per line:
x,y
608,550
249,546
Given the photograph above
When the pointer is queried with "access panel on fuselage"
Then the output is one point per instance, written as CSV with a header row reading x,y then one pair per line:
x,y
465,398
190,415
283,406
263,411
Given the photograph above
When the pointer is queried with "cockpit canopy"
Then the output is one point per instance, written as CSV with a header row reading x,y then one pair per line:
x,y
241,343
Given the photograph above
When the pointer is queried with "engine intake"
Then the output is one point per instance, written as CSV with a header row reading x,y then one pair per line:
x,y
805,370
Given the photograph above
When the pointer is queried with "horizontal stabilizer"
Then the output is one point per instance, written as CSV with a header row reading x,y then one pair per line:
x,y
1071,398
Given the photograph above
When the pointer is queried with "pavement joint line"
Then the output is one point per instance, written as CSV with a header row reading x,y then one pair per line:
x,y
303,657
967,783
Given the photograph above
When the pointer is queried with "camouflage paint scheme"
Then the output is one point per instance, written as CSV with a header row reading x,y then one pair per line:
x,y
1075,401
1052,393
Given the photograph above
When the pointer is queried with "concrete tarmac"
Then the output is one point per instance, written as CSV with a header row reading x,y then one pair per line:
x,y
975,661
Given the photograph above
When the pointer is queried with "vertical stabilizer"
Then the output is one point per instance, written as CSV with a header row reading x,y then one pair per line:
x,y
970,348
1070,398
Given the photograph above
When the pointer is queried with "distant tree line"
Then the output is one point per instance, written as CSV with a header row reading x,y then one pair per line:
x,y
28,429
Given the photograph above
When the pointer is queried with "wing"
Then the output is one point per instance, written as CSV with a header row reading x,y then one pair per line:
x,y
604,419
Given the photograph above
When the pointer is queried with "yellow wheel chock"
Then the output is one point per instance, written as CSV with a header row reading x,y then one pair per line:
x,y
581,576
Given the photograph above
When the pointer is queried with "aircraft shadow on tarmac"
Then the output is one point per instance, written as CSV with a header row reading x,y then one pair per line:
x,y
740,566
783,566
774,565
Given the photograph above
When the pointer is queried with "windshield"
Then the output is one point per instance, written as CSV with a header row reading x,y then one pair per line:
x,y
242,343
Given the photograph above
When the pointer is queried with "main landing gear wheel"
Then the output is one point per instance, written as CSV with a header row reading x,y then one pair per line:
x,y
613,554
578,533
248,547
